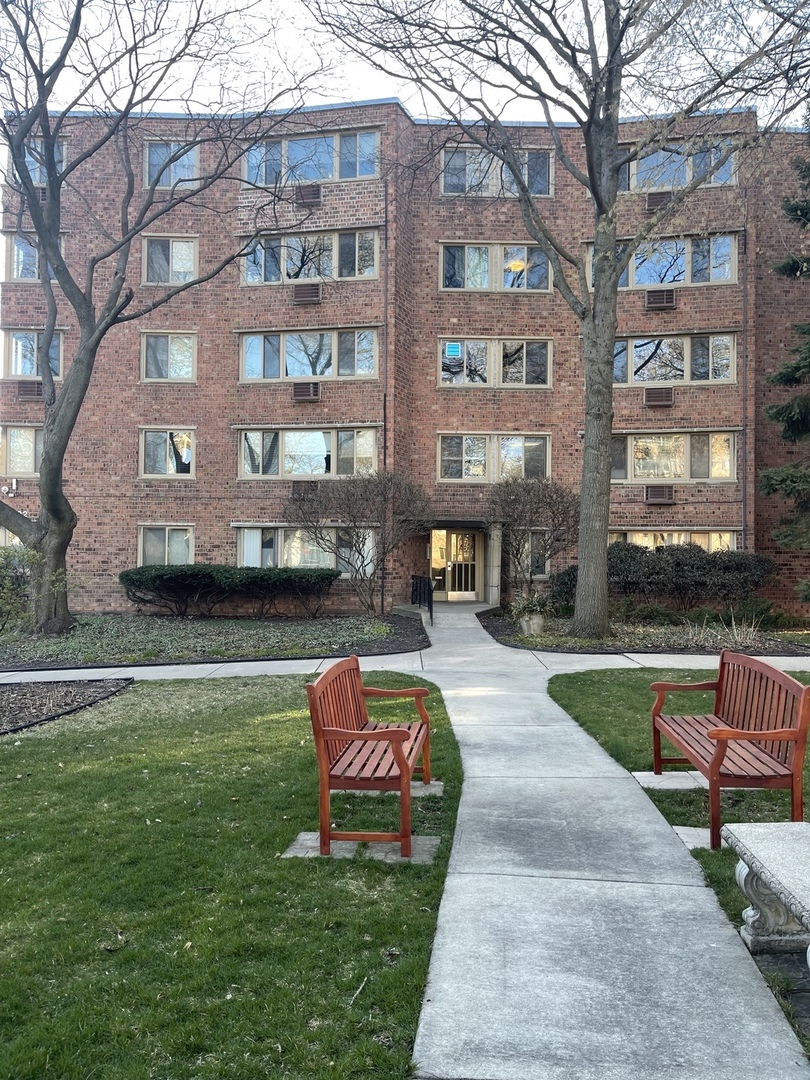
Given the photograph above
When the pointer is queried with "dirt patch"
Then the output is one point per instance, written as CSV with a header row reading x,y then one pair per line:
x,y
24,704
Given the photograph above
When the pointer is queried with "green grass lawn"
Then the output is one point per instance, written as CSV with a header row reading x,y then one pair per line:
x,y
150,928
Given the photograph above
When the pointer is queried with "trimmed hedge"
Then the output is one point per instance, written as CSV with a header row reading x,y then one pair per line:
x,y
682,575
198,588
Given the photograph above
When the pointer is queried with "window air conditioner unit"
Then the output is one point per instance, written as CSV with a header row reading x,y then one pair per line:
x,y
659,395
306,391
307,292
308,195
659,300
29,391
659,495
657,200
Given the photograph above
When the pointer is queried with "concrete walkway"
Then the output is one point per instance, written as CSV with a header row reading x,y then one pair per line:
x,y
576,938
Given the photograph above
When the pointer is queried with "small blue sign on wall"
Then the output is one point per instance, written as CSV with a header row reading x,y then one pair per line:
x,y
452,350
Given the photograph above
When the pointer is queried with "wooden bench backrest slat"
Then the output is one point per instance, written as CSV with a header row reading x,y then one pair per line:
x,y
754,696
336,700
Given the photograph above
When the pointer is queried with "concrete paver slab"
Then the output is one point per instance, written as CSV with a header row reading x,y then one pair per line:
x,y
672,781
625,982
515,752
590,828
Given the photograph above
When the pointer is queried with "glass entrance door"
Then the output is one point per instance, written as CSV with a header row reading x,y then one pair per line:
x,y
453,557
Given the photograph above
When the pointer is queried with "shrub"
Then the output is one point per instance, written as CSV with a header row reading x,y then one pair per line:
x,y
563,587
628,569
15,579
200,587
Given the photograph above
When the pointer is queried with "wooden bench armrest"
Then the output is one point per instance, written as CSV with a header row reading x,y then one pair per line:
x,y
777,735
414,692
392,735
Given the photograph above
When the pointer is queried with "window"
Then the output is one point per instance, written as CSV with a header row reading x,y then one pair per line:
x,y
313,159
169,164
22,352
487,458
169,261
296,258
25,258
168,357
9,539
471,170
23,450
677,164
35,160
538,548
709,541
675,456
682,261
167,453
257,547
493,362
300,452
165,545
270,546
708,358
325,354
494,267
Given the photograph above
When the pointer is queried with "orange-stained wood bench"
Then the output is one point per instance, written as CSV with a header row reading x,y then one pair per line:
x,y
355,754
755,738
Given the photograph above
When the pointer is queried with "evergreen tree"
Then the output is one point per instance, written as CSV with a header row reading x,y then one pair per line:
x,y
793,481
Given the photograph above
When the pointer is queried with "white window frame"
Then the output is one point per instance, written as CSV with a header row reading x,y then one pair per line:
x,y
631,477
33,470
246,341
183,170
8,538
286,173
628,279
624,536
690,152
178,429
327,241
11,335
36,168
280,536
172,239
170,335
495,268
493,459
688,341
30,240
285,438
493,363
486,176
167,527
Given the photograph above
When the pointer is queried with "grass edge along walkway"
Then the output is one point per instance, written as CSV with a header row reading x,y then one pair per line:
x,y
149,927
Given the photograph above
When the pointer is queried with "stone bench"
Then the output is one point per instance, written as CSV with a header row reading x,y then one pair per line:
x,y
774,874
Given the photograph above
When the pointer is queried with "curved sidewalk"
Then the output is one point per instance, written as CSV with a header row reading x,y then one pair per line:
x,y
576,938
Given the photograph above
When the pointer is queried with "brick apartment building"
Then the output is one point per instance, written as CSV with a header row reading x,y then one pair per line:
x,y
396,315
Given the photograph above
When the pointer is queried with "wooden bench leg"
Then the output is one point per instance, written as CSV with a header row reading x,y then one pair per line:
x,y
405,818
714,815
657,767
325,820
796,800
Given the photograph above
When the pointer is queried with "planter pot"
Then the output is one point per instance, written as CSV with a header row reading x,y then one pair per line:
x,y
532,625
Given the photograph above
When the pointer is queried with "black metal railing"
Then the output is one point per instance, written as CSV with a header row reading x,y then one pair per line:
x,y
422,593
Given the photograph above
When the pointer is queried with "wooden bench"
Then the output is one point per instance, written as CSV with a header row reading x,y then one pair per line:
x,y
355,754
755,738
774,874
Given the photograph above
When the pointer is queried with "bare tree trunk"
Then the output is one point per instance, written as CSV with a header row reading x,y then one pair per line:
x,y
49,595
591,616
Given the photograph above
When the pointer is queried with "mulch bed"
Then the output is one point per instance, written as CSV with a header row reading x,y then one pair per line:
x,y
506,633
23,705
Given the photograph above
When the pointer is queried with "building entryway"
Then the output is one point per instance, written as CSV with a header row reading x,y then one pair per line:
x,y
456,558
